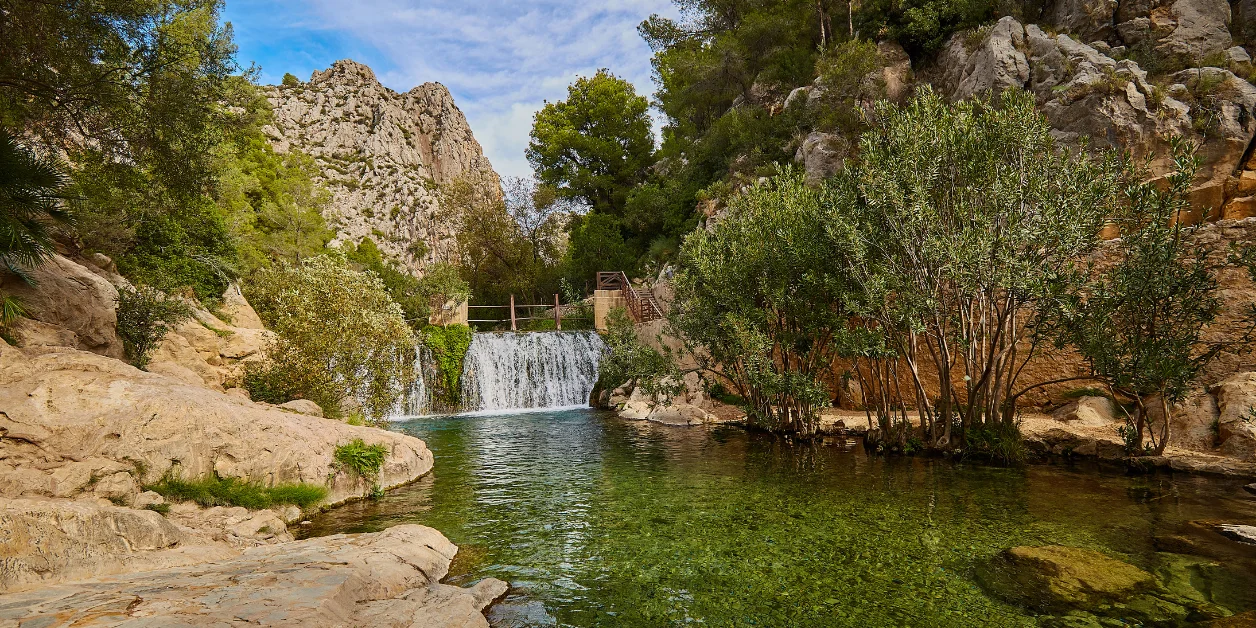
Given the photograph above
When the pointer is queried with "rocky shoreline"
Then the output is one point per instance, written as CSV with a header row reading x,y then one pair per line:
x,y
84,436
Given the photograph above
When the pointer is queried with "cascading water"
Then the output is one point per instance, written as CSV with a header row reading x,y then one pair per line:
x,y
510,371
514,371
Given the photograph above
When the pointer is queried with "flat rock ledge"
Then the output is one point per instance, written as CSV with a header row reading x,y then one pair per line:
x,y
390,578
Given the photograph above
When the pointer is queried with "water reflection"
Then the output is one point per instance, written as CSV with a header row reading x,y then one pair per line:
x,y
601,522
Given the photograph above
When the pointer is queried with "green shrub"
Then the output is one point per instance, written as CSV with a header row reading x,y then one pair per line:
x,y
145,316
290,80
340,335
215,491
998,442
449,346
361,459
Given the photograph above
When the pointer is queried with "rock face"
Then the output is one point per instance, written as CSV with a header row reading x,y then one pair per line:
x,y
75,306
1086,93
383,155
71,419
390,578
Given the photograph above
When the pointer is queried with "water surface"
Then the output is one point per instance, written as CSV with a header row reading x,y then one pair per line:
x,y
596,521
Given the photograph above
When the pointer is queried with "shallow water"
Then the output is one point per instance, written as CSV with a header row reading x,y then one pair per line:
x,y
597,521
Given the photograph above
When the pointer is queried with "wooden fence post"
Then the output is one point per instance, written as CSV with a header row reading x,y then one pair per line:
x,y
513,325
558,314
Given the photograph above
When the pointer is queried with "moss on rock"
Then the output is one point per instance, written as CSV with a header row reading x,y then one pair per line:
x,y
1056,578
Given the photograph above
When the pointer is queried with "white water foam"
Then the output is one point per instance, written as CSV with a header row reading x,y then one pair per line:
x,y
512,371
507,373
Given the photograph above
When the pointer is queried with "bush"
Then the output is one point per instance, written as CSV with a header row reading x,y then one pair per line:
x,y
215,491
449,346
339,334
629,362
364,461
998,442
145,316
290,80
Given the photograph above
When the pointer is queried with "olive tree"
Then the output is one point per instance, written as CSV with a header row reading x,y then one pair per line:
x,y
972,221
1140,324
764,296
339,336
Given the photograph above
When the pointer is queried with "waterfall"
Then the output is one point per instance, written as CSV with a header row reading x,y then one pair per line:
x,y
509,371
514,371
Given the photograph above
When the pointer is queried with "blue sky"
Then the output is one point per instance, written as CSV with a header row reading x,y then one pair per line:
x,y
501,58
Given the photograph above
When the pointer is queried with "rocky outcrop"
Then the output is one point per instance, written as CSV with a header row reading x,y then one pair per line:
x,y
1087,94
68,304
46,541
383,155
70,419
390,578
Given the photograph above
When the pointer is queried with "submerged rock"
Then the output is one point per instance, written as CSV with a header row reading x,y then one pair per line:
x,y
1059,578
389,578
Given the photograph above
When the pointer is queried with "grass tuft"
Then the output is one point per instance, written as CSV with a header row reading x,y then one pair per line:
x,y
216,491
362,459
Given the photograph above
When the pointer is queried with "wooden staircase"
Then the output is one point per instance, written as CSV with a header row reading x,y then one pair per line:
x,y
642,305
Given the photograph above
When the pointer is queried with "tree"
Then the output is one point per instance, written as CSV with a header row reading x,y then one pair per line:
x,y
1140,324
32,205
313,307
972,221
538,209
145,316
595,145
765,297
290,80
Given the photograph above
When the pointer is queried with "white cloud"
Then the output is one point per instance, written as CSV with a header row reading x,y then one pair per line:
x,y
501,58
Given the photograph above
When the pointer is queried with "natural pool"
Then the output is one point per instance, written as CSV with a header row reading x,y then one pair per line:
x,y
596,521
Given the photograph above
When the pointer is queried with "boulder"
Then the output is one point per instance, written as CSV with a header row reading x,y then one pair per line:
x,y
1194,422
1236,422
68,295
895,74
47,541
1057,578
302,406
238,311
1088,411
1250,488
389,578
995,64
1238,61
635,410
79,415
1088,19
1202,28
679,414
822,155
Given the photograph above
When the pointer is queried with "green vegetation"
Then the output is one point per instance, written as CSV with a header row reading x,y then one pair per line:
x,y
440,283
145,316
632,363
216,491
364,461
1140,325
880,266
312,307
290,80
448,345
764,295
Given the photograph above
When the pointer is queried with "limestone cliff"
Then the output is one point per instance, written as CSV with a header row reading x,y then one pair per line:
x,y
383,155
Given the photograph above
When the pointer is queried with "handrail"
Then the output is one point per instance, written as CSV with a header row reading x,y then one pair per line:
x,y
641,303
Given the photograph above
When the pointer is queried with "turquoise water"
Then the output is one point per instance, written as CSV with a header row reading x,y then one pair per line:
x,y
596,521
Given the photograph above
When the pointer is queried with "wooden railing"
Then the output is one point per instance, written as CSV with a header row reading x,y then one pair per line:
x,y
556,308
641,303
